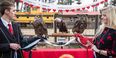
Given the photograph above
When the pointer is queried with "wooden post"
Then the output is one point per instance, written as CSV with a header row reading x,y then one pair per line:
x,y
96,23
55,28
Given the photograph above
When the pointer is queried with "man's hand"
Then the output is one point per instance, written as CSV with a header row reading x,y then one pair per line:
x,y
14,46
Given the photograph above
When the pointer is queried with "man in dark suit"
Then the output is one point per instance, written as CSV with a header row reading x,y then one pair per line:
x,y
11,39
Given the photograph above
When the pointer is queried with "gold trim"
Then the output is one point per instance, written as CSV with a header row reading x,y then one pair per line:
x,y
66,56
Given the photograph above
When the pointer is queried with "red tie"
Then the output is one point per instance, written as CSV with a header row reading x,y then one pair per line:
x,y
10,28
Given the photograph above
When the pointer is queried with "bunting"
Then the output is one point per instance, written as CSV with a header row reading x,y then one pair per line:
x,y
61,8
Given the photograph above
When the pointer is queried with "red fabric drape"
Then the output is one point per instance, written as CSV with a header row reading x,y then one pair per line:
x,y
59,53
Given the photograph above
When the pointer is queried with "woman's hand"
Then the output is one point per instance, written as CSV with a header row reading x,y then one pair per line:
x,y
95,48
102,52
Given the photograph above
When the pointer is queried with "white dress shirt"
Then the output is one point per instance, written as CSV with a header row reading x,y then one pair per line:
x,y
5,23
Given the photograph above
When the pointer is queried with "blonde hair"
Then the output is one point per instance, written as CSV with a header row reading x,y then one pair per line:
x,y
110,12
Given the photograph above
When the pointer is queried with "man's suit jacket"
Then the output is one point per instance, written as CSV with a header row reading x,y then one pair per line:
x,y
6,38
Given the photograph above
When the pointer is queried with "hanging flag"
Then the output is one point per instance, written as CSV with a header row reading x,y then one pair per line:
x,y
78,9
83,8
72,10
60,10
54,10
88,7
49,9
67,10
